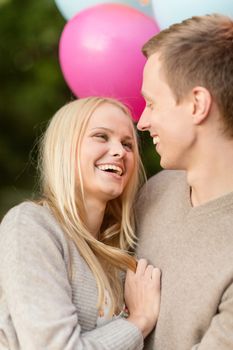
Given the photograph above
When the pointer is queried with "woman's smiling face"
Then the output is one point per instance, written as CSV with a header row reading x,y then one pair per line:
x,y
107,156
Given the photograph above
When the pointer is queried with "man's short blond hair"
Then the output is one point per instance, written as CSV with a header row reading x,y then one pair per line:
x,y
199,52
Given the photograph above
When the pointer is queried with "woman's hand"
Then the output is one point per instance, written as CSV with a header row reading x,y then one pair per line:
x,y
142,296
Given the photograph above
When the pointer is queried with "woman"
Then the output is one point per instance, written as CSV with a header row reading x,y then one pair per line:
x,y
61,258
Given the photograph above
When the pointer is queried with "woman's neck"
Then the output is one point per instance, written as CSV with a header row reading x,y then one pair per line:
x,y
94,216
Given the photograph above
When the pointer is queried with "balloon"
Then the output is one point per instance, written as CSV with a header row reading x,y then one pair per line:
x,y
100,53
168,12
69,8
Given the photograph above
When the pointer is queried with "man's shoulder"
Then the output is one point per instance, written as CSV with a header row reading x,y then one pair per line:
x,y
168,175
165,184
164,179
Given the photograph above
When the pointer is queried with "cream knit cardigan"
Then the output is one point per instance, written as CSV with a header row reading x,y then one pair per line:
x,y
39,307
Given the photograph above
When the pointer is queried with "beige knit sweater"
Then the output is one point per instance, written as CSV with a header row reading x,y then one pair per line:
x,y
39,307
194,248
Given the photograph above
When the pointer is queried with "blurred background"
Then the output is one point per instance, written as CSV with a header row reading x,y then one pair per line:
x,y
32,89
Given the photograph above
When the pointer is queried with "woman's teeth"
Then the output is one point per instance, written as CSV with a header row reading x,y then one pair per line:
x,y
110,167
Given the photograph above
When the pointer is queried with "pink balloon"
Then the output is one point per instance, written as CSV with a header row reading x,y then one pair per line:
x,y
100,53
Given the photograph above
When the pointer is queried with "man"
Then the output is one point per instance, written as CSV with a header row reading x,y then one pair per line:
x,y
185,214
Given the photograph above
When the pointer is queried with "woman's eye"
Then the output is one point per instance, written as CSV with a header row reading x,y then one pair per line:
x,y
128,146
101,136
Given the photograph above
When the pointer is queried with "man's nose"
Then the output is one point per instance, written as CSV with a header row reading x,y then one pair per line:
x,y
143,123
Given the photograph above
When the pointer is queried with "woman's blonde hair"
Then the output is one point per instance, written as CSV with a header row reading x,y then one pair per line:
x,y
59,157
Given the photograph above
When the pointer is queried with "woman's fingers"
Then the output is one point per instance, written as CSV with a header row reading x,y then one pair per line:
x,y
142,295
149,271
141,267
156,275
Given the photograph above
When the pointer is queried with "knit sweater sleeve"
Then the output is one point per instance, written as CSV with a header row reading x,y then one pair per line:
x,y
220,332
33,278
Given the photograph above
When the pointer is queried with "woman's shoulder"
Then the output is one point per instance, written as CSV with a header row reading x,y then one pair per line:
x,y
29,212
25,210
30,222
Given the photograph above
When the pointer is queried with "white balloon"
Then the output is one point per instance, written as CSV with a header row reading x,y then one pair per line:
x,y
70,8
168,12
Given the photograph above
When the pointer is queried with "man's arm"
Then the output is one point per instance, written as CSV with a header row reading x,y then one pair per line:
x,y
220,333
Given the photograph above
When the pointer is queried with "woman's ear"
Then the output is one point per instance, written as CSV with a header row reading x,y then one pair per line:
x,y
202,100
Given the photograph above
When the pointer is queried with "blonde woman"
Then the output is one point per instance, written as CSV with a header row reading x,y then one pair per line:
x,y
61,284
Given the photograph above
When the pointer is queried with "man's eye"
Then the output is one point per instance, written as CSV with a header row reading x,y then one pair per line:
x,y
149,105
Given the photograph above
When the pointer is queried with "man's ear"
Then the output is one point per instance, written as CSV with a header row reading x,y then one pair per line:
x,y
201,99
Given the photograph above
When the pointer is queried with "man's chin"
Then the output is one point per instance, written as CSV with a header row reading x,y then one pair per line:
x,y
168,165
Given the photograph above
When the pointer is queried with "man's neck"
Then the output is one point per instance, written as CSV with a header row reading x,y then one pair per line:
x,y
212,179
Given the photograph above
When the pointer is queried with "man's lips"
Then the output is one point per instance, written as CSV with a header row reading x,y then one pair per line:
x,y
156,139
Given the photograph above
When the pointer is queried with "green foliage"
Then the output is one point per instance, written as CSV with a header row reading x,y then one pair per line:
x,y
32,89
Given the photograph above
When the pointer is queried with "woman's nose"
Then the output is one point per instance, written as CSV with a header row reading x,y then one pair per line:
x,y
117,150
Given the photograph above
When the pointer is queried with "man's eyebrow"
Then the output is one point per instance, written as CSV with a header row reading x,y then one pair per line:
x,y
144,94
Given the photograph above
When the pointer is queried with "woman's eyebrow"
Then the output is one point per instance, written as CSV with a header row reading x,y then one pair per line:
x,y
103,128
126,137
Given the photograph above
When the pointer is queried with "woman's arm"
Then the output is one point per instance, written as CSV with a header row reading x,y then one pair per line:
x,y
37,292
